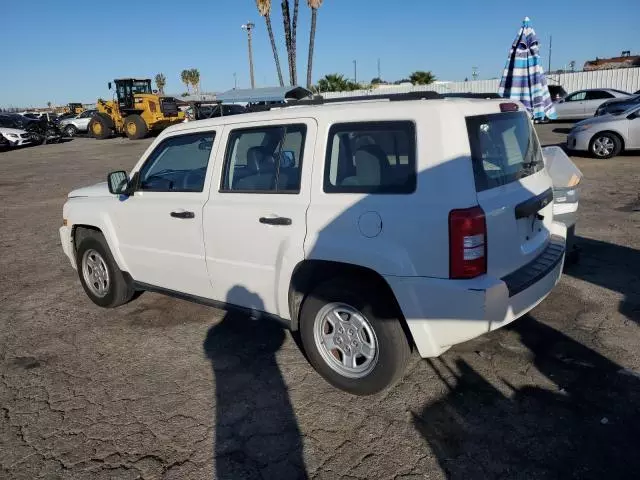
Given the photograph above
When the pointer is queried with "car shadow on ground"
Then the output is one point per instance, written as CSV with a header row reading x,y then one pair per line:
x,y
583,426
256,433
564,130
613,267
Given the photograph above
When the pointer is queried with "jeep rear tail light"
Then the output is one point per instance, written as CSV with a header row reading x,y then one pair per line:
x,y
467,243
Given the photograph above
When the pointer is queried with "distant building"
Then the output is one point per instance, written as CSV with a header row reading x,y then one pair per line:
x,y
625,60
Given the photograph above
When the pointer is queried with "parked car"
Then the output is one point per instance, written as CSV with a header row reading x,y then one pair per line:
x,y
607,135
80,123
13,137
359,224
618,105
584,103
557,92
41,130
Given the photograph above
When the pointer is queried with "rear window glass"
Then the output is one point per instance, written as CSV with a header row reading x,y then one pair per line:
x,y
371,157
504,149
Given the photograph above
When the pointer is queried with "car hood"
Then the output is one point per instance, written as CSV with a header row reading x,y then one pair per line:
x,y
98,190
15,131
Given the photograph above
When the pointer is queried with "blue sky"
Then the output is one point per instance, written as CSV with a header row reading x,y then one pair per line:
x,y
68,50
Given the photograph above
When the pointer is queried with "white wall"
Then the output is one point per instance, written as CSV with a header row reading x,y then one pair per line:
x,y
627,79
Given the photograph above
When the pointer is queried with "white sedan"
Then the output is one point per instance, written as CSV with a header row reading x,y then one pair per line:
x,y
584,103
16,137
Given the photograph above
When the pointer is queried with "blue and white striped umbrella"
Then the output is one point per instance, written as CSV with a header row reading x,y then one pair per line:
x,y
523,78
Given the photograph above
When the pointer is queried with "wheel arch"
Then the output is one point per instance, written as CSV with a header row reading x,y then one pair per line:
x,y
309,273
82,229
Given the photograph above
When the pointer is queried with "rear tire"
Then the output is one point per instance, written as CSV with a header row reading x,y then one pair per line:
x,y
605,145
135,127
364,349
102,280
101,126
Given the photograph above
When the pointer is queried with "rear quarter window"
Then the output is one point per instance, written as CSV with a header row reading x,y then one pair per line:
x,y
504,149
371,157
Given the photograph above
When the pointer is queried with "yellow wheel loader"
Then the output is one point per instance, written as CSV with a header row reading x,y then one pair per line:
x,y
74,108
135,111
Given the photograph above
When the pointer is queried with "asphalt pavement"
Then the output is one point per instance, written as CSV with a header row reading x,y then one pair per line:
x,y
162,388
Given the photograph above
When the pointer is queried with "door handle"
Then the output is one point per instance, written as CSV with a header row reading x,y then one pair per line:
x,y
275,221
183,214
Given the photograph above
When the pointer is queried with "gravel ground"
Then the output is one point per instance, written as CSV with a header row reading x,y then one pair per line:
x,y
162,388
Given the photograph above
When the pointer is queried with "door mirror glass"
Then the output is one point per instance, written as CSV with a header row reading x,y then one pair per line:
x,y
118,182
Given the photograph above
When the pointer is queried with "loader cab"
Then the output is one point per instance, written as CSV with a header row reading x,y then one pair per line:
x,y
126,88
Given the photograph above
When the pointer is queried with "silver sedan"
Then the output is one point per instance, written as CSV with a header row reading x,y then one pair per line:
x,y
584,103
608,135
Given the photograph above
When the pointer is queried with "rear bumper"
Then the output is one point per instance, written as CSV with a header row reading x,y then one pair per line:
x,y
441,313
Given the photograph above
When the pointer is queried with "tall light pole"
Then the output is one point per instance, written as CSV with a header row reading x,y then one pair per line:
x,y
248,27
355,72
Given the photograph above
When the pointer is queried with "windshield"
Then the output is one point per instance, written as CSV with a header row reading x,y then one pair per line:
x,y
142,86
504,149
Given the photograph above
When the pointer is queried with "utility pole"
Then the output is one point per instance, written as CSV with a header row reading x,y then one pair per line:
x,y
379,74
248,27
235,81
549,68
355,72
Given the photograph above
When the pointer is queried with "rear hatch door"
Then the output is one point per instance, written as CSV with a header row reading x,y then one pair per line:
x,y
513,189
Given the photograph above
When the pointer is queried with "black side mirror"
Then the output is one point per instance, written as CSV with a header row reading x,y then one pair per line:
x,y
109,85
118,182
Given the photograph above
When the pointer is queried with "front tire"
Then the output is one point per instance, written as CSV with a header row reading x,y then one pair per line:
x,y
135,127
101,126
352,335
70,131
605,145
102,280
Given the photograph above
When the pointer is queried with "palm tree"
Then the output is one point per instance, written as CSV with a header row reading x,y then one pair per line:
x,y
184,76
161,81
314,5
286,20
333,82
49,105
194,79
264,7
421,77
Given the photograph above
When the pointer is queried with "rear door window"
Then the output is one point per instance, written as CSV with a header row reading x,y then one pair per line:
x,y
371,157
504,149
264,160
598,95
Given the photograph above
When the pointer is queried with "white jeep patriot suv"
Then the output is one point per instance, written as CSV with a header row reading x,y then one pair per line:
x,y
371,227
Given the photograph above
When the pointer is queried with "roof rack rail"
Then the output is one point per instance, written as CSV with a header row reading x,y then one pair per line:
x,y
392,97
319,100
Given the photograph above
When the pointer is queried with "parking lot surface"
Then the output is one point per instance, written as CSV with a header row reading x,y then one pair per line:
x,y
162,388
